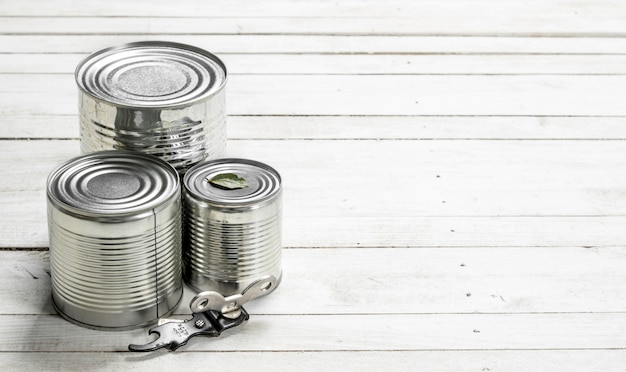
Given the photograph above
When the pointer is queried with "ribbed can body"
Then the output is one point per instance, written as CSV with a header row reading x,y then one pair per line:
x,y
114,221
231,237
158,98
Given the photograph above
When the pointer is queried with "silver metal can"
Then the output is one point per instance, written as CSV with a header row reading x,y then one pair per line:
x,y
232,237
114,223
160,98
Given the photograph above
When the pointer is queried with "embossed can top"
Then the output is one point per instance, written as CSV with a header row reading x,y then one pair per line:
x,y
263,183
106,184
151,74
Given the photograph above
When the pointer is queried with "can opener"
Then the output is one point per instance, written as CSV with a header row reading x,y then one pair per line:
x,y
212,314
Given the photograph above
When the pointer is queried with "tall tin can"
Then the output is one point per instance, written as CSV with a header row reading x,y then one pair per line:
x,y
160,98
114,223
232,237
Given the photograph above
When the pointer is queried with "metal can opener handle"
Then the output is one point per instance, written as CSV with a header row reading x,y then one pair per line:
x,y
212,314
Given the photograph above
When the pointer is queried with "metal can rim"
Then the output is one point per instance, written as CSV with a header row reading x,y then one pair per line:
x,y
254,203
156,43
142,211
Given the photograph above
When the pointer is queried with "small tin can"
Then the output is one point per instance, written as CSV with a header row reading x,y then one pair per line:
x,y
160,98
114,223
232,237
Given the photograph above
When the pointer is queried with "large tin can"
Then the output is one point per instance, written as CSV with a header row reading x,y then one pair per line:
x,y
159,98
232,237
114,222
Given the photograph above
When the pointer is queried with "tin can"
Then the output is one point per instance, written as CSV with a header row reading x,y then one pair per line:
x,y
232,237
160,98
114,223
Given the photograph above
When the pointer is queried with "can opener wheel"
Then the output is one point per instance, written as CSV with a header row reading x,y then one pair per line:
x,y
212,314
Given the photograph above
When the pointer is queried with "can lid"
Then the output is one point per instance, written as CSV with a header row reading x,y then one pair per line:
x,y
112,183
151,74
263,182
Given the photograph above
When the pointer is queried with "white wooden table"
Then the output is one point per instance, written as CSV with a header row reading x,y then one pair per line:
x,y
454,173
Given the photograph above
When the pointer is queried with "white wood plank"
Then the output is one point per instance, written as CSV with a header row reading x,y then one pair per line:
x,y
29,230
405,193
356,64
417,127
365,127
504,17
556,21
434,361
447,178
494,231
344,333
395,281
298,44
466,95
441,178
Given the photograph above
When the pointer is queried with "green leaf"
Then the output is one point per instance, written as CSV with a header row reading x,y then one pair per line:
x,y
228,181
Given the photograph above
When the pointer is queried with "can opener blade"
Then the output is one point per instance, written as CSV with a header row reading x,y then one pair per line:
x,y
212,314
